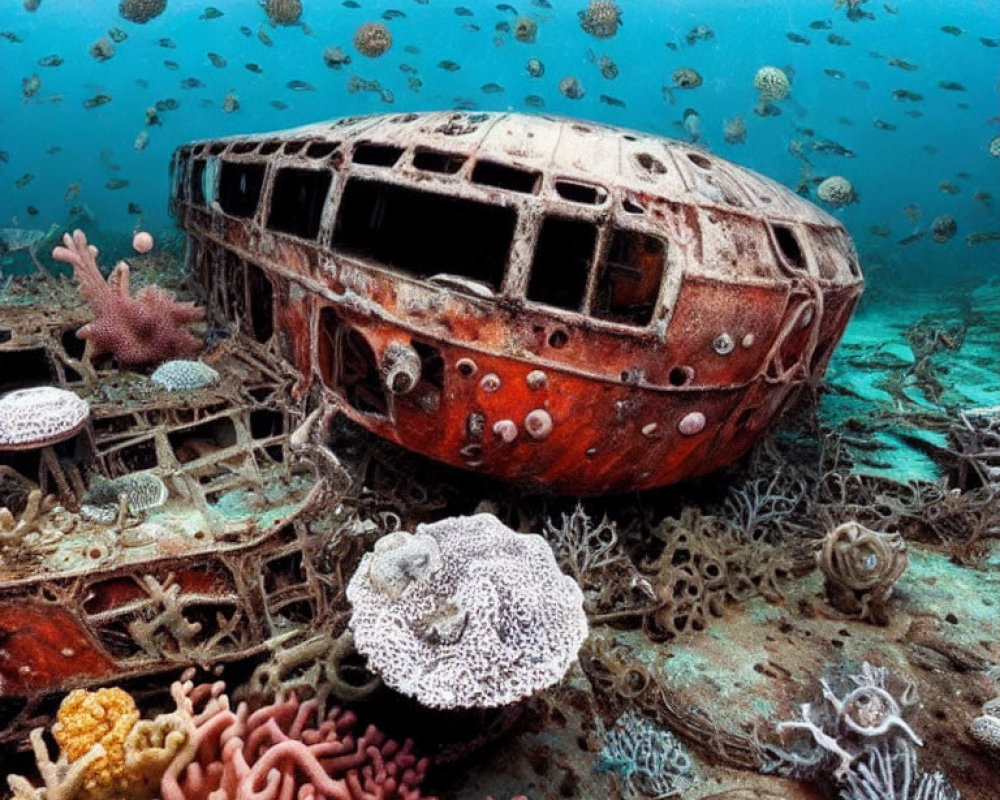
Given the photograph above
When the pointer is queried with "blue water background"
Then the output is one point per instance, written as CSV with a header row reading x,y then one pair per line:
x,y
891,169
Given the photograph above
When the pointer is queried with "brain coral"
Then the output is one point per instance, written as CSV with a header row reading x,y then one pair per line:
x,y
180,374
836,191
283,12
141,11
372,39
772,83
466,613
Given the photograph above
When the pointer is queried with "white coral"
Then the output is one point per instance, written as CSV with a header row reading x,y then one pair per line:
x,y
476,614
772,83
40,415
836,190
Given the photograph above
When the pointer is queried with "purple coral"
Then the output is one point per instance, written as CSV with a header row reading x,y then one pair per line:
x,y
148,328
285,750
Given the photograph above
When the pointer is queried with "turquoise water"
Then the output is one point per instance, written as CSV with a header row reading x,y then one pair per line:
x,y
890,169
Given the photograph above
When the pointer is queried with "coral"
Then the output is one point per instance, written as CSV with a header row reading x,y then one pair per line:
x,y
943,228
466,613
104,717
142,490
372,39
285,750
183,375
282,12
63,780
861,566
41,522
686,78
40,416
772,83
102,49
335,57
141,11
525,29
836,191
985,729
571,88
994,147
650,762
145,329
601,18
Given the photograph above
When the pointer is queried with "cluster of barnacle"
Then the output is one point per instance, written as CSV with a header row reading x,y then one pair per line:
x,y
860,738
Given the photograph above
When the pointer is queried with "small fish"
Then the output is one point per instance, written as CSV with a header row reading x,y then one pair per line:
x,y
350,4
797,38
948,187
413,83
845,121
246,31
491,88
699,33
862,85
98,99
24,180
835,73
167,105
502,26
952,30
508,8
964,176
984,198
890,10
168,43
191,83
837,39
391,14
898,62
913,237
278,104
672,46
117,35
32,211
30,86
611,101
10,36
912,212
409,69
4,157
981,237
254,68
882,125
134,209
141,140
821,25
541,3
217,60
412,49
231,102
989,42
692,124
51,151
264,38
471,27
882,231
534,101
951,86
902,95
462,11
142,83
116,183
211,13
50,61
300,86
450,66
464,104
72,191
171,65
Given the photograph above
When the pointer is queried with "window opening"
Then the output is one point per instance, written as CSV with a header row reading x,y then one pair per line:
x,y
563,256
433,161
629,282
197,191
581,193
216,149
261,299
504,176
378,155
269,147
243,147
788,243
297,201
424,233
293,147
239,187
320,149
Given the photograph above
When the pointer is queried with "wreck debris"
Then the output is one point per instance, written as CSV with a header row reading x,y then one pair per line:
x,y
861,566
674,251
465,613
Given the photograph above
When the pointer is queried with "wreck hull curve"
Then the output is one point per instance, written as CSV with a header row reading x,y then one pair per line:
x,y
571,306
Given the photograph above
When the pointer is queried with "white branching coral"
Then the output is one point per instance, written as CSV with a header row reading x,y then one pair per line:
x,y
649,761
466,613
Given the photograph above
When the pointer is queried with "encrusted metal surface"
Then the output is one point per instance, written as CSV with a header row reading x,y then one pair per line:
x,y
557,303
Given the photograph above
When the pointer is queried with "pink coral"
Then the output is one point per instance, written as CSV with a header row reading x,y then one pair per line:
x,y
285,751
146,329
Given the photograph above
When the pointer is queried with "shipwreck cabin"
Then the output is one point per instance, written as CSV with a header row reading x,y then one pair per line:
x,y
576,307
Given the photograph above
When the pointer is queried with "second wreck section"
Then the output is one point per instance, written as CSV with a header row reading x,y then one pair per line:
x,y
557,303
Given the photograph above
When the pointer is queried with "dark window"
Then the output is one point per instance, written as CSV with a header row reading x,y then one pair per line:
x,y
216,149
320,149
504,176
293,147
297,201
433,161
425,233
629,282
244,147
261,303
562,262
196,189
789,246
378,155
581,192
239,188
269,147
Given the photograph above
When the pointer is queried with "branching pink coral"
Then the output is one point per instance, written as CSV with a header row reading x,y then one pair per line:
x,y
283,751
145,329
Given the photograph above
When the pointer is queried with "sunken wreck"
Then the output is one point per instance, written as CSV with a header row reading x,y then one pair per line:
x,y
561,304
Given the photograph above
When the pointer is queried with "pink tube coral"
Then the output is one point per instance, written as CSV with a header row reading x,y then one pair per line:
x,y
285,752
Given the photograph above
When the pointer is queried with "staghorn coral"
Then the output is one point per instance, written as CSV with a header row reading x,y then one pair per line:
x,y
861,566
285,750
150,327
104,718
465,613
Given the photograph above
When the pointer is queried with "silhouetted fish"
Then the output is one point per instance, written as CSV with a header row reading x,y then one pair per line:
x,y
990,42
882,125
611,101
217,60
99,99
951,86
821,25
116,183
253,68
491,88
168,43
898,62
191,83
391,14
50,61
300,86
913,237
450,66
171,65
951,29
797,38
837,39
211,13
834,73
462,11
